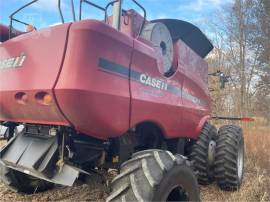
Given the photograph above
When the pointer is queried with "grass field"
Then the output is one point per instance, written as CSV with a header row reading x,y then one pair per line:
x,y
256,183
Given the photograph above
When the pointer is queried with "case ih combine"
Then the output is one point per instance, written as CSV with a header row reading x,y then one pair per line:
x,y
122,93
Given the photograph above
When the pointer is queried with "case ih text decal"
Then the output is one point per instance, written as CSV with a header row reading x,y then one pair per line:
x,y
154,82
13,62
108,66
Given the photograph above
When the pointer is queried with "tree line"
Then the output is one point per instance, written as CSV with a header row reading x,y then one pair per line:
x,y
241,35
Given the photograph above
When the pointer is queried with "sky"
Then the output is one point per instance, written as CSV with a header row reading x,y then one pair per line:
x,y
44,12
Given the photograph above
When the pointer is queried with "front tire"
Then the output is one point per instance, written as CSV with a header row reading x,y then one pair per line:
x,y
20,182
229,163
155,175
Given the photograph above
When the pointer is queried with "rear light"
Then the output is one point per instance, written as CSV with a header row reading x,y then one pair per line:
x,y
21,98
47,99
44,98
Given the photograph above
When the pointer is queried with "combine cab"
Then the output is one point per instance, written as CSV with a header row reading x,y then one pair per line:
x,y
122,93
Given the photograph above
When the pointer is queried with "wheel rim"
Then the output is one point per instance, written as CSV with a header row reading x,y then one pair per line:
x,y
211,152
240,161
177,193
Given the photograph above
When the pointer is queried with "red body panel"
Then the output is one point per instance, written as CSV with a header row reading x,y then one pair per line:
x,y
177,114
96,76
151,104
44,52
97,103
195,71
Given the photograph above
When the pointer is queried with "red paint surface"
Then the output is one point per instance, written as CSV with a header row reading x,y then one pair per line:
x,y
97,103
44,52
64,63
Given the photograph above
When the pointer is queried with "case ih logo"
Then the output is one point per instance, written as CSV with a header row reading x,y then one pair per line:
x,y
154,82
13,62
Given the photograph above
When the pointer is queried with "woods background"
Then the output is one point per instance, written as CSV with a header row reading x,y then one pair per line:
x,y
241,36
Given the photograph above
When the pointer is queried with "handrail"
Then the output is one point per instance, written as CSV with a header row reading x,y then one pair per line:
x,y
60,11
144,16
73,10
14,13
30,3
106,9
90,3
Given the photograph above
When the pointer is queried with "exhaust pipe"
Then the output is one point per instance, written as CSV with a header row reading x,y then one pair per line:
x,y
117,13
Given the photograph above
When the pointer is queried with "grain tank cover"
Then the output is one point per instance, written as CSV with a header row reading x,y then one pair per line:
x,y
190,34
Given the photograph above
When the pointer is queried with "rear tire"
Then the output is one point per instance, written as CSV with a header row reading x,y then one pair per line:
x,y
155,175
20,182
201,150
229,163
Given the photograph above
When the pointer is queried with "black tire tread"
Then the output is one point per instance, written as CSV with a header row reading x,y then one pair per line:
x,y
125,187
199,155
228,142
20,182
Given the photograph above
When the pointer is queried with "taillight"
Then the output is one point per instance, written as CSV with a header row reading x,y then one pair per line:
x,y
21,98
44,98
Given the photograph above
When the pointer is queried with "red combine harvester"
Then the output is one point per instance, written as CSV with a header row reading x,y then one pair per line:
x,y
122,93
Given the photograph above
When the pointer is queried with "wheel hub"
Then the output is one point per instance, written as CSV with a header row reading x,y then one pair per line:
x,y
178,194
211,152
240,161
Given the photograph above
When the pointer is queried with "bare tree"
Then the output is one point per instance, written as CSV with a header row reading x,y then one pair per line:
x,y
261,101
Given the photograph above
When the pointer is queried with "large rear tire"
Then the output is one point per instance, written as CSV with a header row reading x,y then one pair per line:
x,y
155,175
20,182
202,155
229,162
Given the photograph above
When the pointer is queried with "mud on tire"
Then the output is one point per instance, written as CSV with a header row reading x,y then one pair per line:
x,y
20,182
155,175
200,155
229,161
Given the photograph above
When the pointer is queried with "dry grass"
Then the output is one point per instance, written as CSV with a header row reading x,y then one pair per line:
x,y
256,184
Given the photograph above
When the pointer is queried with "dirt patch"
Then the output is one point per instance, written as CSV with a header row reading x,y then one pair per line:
x,y
77,193
255,185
